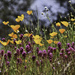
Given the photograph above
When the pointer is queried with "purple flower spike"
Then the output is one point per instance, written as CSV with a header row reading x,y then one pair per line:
x,y
2,52
59,45
3,39
54,49
7,63
9,54
24,54
37,49
61,54
21,36
40,53
18,51
33,58
44,53
68,45
27,48
49,48
31,37
66,56
21,49
5,57
62,50
25,67
19,60
50,55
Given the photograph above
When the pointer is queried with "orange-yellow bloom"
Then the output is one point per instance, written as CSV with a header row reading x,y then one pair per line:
x,y
41,44
72,19
49,41
5,23
13,35
4,43
61,30
58,24
18,42
29,12
56,42
15,27
21,17
27,34
17,20
65,23
53,34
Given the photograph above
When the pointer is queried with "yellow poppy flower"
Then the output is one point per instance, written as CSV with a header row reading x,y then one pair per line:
x,y
49,41
4,43
12,35
25,61
18,42
72,19
27,34
21,17
56,42
37,41
37,37
5,23
41,44
11,41
65,23
17,20
15,27
29,12
61,31
58,24
53,34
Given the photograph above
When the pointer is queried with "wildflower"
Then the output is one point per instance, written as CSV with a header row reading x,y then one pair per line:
x,y
50,55
5,23
11,41
5,57
62,31
7,63
12,35
41,44
56,42
49,41
40,53
21,49
21,17
4,43
53,34
21,36
65,56
27,48
18,51
27,34
37,49
72,19
58,24
2,52
18,42
25,67
59,45
19,60
54,49
29,12
9,54
17,20
25,61
15,27
44,53
3,39
24,54
65,23
68,45
61,54
33,58
62,50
